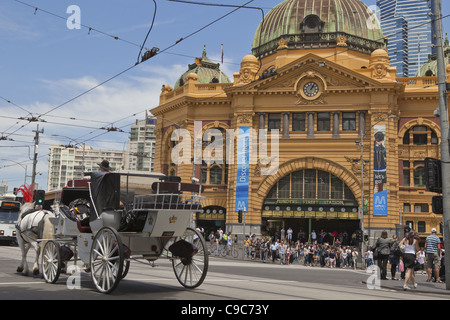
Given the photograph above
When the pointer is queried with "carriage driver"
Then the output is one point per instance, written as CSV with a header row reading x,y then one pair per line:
x,y
104,166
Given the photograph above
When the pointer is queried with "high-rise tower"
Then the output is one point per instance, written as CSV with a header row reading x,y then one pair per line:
x,y
407,26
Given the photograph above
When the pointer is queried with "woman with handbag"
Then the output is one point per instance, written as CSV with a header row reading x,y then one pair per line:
x,y
411,245
382,250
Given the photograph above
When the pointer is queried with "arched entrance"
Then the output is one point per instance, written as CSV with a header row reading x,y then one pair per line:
x,y
311,197
211,218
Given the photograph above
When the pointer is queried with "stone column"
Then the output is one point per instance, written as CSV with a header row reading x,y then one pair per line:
x,y
262,120
310,133
285,125
335,124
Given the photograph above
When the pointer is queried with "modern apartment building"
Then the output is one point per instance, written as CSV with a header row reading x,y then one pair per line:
x,y
68,163
141,147
407,26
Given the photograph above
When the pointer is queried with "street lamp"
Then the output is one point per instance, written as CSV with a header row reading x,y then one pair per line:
x,y
24,167
362,162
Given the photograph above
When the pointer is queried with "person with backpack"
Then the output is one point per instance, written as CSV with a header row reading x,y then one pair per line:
x,y
394,256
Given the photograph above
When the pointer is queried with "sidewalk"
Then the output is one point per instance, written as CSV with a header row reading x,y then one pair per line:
x,y
422,286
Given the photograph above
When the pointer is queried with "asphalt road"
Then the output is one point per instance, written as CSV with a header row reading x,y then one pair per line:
x,y
227,281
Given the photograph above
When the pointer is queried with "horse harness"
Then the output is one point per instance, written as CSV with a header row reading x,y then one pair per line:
x,y
36,229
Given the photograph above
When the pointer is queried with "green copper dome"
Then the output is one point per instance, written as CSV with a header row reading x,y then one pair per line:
x,y
206,70
310,24
429,69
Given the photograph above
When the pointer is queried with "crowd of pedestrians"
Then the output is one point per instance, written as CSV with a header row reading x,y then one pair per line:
x,y
407,257
324,249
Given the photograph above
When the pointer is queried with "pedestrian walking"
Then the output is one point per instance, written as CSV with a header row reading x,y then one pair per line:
x,y
394,256
411,246
274,249
383,248
433,254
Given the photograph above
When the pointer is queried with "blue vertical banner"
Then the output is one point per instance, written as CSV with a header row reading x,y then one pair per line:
x,y
242,177
380,207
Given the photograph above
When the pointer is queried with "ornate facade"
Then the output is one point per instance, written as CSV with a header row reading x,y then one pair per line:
x,y
334,104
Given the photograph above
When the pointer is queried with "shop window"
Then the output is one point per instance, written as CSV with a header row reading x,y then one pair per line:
x,y
420,135
406,139
311,184
284,187
274,121
421,207
213,172
323,185
421,226
215,175
349,121
434,138
323,121
410,224
298,122
337,188
419,174
297,185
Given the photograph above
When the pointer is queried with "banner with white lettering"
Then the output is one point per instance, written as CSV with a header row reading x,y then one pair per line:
x,y
380,207
242,178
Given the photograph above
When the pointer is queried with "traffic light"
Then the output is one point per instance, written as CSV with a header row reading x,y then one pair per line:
x,y
436,204
39,197
366,238
359,235
240,216
433,177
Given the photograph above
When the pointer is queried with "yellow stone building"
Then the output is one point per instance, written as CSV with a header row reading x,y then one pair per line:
x,y
321,76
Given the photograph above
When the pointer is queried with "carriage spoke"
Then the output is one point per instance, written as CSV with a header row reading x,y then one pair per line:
x,y
106,260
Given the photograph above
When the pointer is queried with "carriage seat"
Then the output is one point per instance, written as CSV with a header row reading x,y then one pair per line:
x,y
176,187
83,228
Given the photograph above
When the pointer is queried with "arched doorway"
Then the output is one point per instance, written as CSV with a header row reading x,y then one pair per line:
x,y
211,218
309,200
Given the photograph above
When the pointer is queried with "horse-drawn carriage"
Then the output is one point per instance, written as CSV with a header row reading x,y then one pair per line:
x,y
118,219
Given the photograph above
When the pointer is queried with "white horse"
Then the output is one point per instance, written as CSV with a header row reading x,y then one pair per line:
x,y
30,227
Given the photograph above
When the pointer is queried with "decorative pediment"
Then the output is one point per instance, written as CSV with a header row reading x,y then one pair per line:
x,y
334,76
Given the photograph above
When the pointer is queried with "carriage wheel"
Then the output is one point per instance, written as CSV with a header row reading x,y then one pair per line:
x,y
191,272
107,260
51,262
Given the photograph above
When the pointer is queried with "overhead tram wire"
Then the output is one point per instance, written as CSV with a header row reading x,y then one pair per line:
x,y
37,9
138,63
103,32
164,50
148,33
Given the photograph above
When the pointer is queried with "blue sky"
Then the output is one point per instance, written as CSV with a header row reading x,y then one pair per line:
x,y
45,64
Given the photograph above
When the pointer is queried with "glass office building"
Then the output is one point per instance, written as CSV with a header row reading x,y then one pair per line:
x,y
407,26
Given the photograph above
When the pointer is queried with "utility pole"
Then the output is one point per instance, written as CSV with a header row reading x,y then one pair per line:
x,y
36,150
443,111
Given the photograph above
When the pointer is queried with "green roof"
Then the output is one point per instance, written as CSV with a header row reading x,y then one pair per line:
x,y
318,23
206,70
429,68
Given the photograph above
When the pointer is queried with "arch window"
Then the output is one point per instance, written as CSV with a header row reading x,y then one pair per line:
x,y
311,184
214,172
420,135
